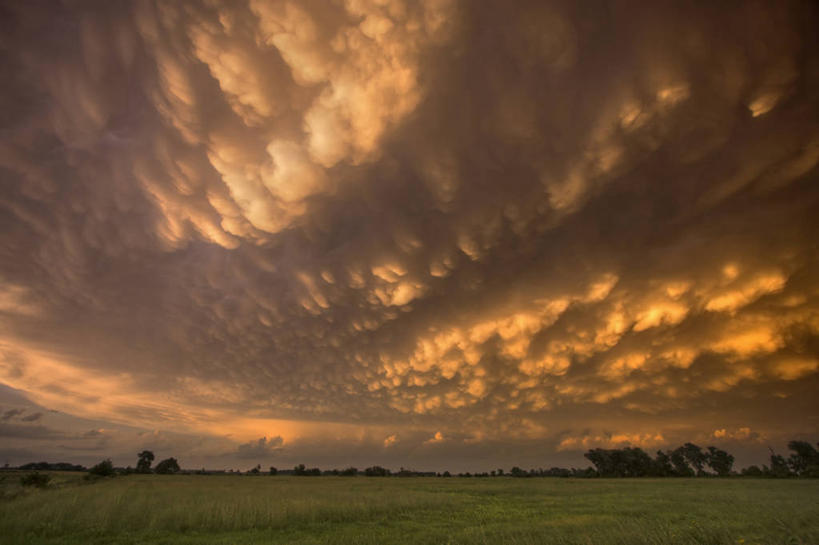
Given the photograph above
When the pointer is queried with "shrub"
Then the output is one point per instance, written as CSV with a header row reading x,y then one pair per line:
x,y
103,469
39,480
167,466
302,471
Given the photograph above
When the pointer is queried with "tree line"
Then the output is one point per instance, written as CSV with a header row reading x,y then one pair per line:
x,y
688,460
106,468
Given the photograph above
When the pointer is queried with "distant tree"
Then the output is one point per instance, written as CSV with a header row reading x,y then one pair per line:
x,y
376,471
805,459
752,471
518,472
103,469
557,472
144,460
302,471
273,470
601,460
349,472
695,457
625,462
167,466
720,461
637,463
662,465
256,470
681,467
779,466
45,466
447,474
586,473
500,472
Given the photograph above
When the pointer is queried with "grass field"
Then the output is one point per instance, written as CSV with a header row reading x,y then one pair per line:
x,y
193,509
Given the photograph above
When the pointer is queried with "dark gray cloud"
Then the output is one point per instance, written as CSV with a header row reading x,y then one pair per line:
x,y
556,224
33,417
259,449
11,413
17,431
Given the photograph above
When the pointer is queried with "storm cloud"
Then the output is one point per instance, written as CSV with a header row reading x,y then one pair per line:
x,y
414,229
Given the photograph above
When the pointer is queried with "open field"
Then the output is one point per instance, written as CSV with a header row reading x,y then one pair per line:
x,y
226,510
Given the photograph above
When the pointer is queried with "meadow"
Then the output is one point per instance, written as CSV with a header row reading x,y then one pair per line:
x,y
236,510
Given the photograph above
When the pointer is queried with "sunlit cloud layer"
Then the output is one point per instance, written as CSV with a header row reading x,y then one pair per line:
x,y
413,230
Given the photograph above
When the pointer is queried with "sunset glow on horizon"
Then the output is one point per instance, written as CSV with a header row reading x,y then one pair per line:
x,y
432,234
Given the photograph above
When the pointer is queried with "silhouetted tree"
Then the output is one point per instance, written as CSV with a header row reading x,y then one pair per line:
x,y
586,473
376,471
625,462
45,466
557,472
805,459
273,470
103,469
302,471
752,471
167,466
662,465
636,462
681,467
720,461
145,458
601,459
779,466
695,457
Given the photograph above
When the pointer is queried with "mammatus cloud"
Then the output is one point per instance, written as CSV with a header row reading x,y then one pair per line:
x,y
411,228
11,413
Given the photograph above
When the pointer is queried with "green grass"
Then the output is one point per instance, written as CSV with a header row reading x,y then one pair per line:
x,y
254,510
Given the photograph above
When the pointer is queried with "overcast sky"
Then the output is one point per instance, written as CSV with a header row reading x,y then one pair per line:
x,y
437,234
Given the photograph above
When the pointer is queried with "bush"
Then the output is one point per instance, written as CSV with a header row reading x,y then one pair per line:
x,y
39,480
103,469
302,471
168,466
752,471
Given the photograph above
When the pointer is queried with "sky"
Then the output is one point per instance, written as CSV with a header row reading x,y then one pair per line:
x,y
431,234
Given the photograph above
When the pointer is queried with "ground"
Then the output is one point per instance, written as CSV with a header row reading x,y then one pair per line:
x,y
236,510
